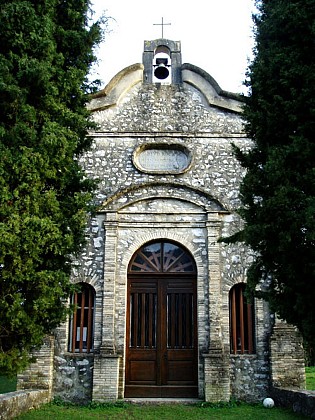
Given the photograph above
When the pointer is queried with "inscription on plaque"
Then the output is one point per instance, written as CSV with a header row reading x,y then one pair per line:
x,y
162,158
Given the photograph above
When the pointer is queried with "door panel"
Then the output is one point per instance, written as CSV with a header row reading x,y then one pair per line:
x,y
141,362
161,351
142,371
181,342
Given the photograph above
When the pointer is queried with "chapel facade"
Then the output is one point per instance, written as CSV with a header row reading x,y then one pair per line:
x,y
161,310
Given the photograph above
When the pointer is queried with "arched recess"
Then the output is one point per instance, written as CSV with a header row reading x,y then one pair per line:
x,y
129,196
161,337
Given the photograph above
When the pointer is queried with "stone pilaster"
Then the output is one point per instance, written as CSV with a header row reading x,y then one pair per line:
x,y
214,283
107,362
217,377
106,377
286,357
108,327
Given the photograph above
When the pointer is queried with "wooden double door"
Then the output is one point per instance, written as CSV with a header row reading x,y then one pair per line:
x,y
161,347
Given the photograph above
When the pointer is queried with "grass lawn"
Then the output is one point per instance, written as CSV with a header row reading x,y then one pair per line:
x,y
310,378
125,411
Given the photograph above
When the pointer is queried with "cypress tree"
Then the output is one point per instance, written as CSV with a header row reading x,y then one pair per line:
x,y
46,51
278,190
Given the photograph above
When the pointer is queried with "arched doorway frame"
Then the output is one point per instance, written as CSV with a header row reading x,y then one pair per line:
x,y
125,232
161,351
184,240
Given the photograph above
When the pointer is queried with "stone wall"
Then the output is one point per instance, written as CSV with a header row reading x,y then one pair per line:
x,y
217,385
249,378
168,109
39,375
301,402
250,374
106,377
287,357
15,403
214,170
73,379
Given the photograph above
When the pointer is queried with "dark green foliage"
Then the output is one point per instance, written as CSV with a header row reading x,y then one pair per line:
x,y
46,52
7,384
278,191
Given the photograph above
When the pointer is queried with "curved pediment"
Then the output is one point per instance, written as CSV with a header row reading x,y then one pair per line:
x,y
210,89
194,76
116,88
140,99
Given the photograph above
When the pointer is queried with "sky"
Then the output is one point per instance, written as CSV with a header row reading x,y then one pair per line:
x,y
215,35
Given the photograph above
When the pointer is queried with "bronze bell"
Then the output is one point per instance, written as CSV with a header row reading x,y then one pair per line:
x,y
161,68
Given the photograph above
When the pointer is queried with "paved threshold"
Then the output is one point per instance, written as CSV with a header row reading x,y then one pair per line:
x,y
159,401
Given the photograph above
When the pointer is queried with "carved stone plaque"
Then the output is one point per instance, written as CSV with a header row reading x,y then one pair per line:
x,y
162,158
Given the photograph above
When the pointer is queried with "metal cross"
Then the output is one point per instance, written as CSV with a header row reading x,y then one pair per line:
x,y
162,24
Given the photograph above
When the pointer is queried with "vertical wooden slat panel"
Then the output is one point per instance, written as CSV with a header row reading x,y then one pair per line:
x,y
150,320
241,316
143,320
250,329
234,328
190,320
162,318
135,319
90,320
186,321
169,320
155,327
241,300
129,320
82,321
193,322
74,323
173,320
180,320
